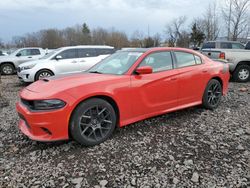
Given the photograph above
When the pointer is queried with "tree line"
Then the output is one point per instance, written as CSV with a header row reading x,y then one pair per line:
x,y
232,21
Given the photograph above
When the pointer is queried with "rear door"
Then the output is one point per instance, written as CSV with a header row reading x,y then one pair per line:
x,y
155,92
191,80
87,58
68,63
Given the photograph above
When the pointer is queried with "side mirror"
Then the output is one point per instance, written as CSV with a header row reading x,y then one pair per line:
x,y
58,57
144,70
18,54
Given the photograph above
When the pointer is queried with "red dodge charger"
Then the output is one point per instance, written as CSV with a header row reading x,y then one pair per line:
x,y
128,86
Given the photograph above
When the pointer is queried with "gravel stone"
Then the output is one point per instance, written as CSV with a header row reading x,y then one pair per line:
x,y
193,147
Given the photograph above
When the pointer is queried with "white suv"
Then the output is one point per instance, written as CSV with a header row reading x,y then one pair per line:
x,y
65,60
8,64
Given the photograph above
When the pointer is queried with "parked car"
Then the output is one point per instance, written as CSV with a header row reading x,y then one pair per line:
x,y
126,87
72,59
223,45
237,59
3,53
9,63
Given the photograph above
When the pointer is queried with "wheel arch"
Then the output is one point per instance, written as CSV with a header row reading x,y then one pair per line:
x,y
107,98
43,70
8,62
219,79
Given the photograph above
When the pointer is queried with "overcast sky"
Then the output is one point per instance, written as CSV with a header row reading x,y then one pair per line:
x,y
18,17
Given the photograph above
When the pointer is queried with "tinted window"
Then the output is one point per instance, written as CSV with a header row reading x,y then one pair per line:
x,y
25,52
198,59
103,51
159,61
87,52
184,59
209,45
68,54
226,45
248,46
237,46
35,52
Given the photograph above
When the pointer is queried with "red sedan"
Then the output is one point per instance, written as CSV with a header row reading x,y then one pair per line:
x,y
128,86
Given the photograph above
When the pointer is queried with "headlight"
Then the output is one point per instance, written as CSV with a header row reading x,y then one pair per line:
x,y
27,67
47,104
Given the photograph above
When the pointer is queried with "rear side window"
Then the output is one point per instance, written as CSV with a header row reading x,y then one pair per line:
x,y
159,61
185,59
87,52
34,52
226,45
198,60
237,46
209,45
68,54
103,51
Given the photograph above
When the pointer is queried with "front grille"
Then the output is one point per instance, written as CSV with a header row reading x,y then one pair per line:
x,y
18,69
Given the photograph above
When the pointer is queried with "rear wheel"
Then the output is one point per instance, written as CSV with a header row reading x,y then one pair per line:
x,y
212,95
242,73
93,121
43,74
7,69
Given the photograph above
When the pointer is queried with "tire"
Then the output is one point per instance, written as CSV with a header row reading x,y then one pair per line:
x,y
7,69
212,95
43,74
93,122
242,73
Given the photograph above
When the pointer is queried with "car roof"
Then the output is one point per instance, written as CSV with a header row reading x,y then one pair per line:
x,y
155,49
225,41
88,46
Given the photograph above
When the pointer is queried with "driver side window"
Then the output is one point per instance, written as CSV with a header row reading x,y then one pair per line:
x,y
68,54
24,52
159,61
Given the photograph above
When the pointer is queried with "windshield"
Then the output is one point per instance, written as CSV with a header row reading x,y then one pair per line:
x,y
47,56
118,63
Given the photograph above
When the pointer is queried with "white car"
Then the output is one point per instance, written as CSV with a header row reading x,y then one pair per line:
x,y
65,60
8,64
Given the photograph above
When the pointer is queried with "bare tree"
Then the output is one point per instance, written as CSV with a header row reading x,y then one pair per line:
x,y
210,25
174,30
137,39
236,16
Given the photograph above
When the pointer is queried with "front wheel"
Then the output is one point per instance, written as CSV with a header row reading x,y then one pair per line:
x,y
92,122
212,95
7,69
43,74
242,73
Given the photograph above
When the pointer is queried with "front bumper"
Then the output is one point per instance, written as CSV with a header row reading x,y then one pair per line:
x,y
43,126
25,76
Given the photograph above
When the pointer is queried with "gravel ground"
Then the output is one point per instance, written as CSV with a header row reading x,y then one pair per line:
x,y
190,148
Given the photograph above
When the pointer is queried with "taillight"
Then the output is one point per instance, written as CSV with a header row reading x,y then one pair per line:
x,y
222,55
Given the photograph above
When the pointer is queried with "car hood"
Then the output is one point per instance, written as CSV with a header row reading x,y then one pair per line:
x,y
33,62
55,84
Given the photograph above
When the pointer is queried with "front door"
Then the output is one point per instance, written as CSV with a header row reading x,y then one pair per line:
x,y
158,91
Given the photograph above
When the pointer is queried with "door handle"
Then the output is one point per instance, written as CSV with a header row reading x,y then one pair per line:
x,y
204,71
30,57
73,61
82,61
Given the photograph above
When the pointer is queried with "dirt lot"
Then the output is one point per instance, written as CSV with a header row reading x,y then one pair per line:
x,y
189,148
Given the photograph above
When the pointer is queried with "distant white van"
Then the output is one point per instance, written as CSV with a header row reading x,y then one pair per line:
x,y
65,60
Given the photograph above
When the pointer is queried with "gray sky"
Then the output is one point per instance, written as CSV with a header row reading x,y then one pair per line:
x,y
18,17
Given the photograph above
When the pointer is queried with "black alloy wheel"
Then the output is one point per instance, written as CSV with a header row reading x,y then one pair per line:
x,y
93,122
212,95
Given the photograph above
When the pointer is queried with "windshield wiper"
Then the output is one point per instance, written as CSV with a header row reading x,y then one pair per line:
x,y
97,72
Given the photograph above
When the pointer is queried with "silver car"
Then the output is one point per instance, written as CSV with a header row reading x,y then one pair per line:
x,y
65,60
